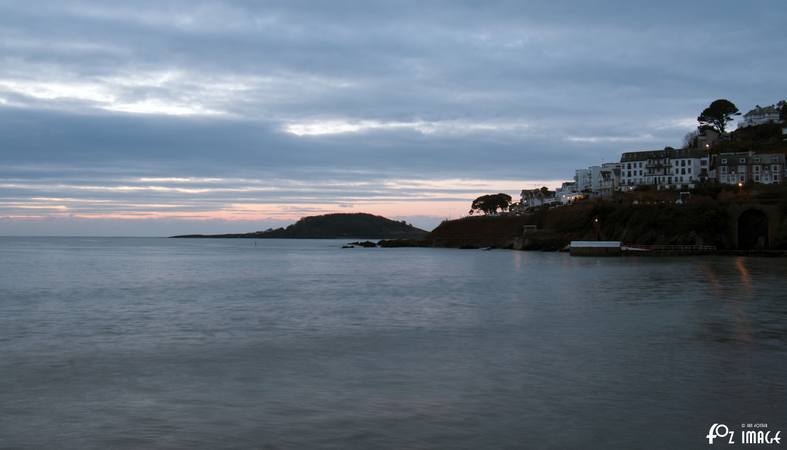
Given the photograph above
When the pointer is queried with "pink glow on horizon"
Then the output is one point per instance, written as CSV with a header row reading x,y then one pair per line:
x,y
394,199
254,212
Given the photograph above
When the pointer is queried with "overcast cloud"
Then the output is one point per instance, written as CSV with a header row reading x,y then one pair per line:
x,y
156,117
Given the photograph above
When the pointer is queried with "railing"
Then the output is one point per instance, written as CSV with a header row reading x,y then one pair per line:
x,y
670,249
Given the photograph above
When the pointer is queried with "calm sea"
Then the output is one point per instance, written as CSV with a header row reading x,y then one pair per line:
x,y
163,343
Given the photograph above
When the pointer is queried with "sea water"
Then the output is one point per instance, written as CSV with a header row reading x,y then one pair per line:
x,y
180,343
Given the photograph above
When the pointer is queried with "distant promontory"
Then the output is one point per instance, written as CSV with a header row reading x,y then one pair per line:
x,y
333,226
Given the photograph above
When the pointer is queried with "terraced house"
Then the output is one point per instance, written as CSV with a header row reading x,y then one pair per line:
x,y
664,169
749,167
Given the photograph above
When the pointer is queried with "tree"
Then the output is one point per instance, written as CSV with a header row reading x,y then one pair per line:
x,y
690,139
718,114
489,204
783,111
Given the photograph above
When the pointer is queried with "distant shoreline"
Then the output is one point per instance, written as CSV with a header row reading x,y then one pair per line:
x,y
247,236
330,226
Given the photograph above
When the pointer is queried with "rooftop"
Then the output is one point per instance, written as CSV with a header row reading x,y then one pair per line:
x,y
661,154
772,109
643,155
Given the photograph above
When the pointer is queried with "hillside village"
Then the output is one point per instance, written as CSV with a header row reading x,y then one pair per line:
x,y
752,154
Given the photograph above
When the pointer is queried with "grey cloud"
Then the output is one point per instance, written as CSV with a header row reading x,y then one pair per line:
x,y
93,92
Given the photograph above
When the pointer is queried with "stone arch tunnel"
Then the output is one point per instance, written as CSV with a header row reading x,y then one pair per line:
x,y
753,227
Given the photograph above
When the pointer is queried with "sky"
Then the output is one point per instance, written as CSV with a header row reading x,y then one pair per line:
x,y
159,117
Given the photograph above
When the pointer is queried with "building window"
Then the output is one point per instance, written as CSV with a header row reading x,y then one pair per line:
x,y
688,170
724,161
704,162
742,160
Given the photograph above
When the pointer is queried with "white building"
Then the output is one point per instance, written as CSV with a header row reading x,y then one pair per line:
x,y
761,115
608,179
567,193
531,198
664,169
598,180
749,167
583,180
595,178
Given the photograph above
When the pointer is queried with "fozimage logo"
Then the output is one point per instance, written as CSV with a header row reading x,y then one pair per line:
x,y
719,430
750,433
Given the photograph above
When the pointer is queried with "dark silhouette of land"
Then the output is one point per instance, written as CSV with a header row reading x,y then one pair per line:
x,y
333,226
753,218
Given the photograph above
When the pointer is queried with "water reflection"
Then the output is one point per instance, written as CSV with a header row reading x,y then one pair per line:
x,y
712,277
740,264
742,322
518,261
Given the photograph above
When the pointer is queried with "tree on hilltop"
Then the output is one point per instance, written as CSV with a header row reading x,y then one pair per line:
x,y
489,204
718,115
690,139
